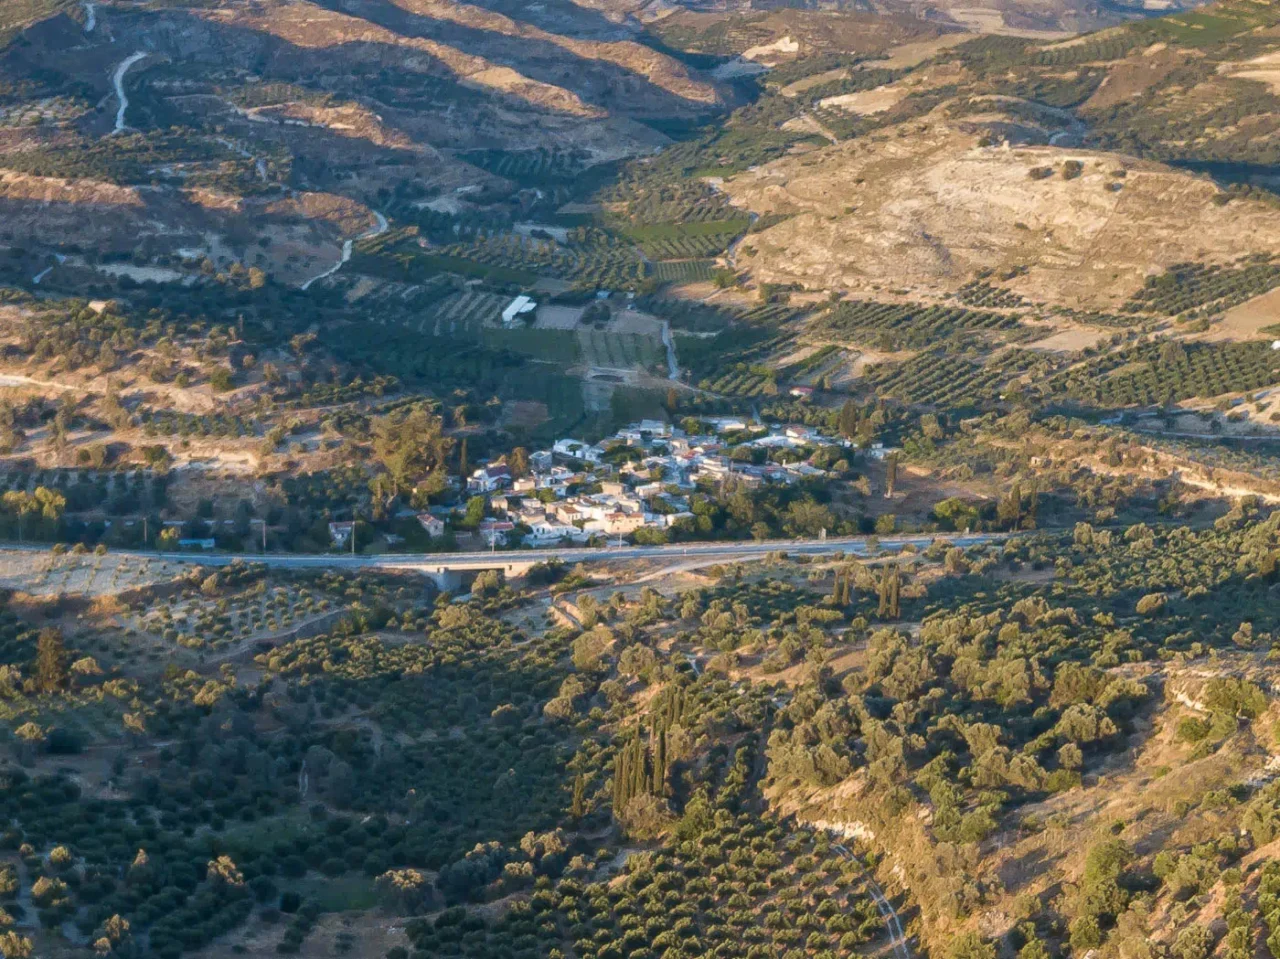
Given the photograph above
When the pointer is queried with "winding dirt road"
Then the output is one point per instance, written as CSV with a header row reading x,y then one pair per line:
x,y
117,80
347,247
892,924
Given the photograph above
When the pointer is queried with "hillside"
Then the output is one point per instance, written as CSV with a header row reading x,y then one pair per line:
x,y
1030,161
639,479
927,206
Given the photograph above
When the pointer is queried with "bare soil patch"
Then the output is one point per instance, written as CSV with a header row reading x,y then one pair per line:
x,y
1070,340
1245,322
866,102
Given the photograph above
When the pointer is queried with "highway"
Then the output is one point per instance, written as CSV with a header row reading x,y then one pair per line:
x,y
495,559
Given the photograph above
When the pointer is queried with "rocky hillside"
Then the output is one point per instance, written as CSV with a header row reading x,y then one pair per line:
x,y
931,204
1073,170
247,107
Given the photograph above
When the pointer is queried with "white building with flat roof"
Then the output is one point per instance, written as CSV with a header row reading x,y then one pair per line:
x,y
517,307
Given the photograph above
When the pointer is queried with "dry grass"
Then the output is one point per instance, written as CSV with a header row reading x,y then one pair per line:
x,y
923,208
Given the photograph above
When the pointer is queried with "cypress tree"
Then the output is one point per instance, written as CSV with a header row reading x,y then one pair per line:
x,y
660,764
620,782
50,661
895,593
639,768
890,593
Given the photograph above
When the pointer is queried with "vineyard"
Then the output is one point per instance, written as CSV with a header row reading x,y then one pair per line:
x,y
609,264
621,350
1112,46
735,349
896,326
1155,372
333,394
525,166
744,380
552,346
174,423
742,888
1191,290
465,314
682,241
981,293
589,256
940,379
683,271
673,202
815,364
114,493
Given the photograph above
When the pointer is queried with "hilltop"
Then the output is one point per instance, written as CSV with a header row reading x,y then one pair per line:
x,y
928,206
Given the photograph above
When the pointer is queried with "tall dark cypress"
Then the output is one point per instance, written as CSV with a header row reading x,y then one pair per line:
x,y
660,764
621,780
639,769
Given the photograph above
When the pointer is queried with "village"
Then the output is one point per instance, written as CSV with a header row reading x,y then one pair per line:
x,y
635,485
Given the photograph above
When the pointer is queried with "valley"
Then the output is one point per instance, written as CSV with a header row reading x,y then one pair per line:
x,y
612,479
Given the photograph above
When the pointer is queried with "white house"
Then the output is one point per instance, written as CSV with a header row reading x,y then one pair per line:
x,y
805,434
489,478
547,532
879,451
569,513
654,427
670,519
576,449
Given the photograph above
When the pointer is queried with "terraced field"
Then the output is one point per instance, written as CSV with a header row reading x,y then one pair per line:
x,y
466,314
683,271
621,351
897,326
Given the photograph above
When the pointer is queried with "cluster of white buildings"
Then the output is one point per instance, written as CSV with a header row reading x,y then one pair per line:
x,y
638,478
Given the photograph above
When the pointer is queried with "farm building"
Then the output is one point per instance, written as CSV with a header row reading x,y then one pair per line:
x,y
516,308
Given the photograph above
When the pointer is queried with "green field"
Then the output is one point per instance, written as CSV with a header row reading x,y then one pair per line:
x,y
684,271
556,346
620,350
679,231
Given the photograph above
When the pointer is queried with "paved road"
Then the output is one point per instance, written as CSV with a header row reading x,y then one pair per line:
x,y
442,562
